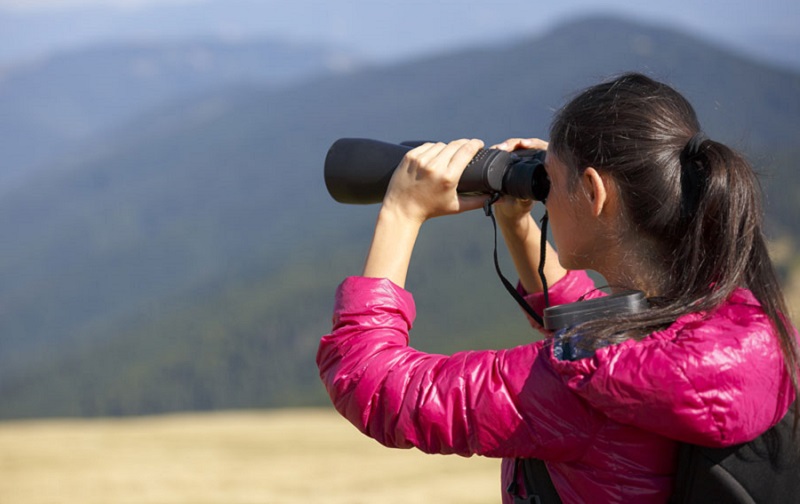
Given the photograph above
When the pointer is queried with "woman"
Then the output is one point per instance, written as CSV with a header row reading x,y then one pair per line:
x,y
639,195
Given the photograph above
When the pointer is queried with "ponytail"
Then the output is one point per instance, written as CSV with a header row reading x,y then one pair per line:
x,y
710,241
726,247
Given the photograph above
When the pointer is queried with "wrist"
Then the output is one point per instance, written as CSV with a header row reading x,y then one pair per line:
x,y
392,244
398,220
515,225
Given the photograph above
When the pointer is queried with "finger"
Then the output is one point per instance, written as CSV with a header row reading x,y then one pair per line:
x,y
442,162
507,145
534,143
451,148
420,156
521,143
426,150
467,149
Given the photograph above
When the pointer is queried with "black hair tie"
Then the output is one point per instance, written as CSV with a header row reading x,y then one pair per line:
x,y
692,180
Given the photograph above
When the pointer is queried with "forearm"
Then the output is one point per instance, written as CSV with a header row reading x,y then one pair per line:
x,y
392,244
523,240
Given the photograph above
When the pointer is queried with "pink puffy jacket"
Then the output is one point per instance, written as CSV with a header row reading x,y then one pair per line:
x,y
607,425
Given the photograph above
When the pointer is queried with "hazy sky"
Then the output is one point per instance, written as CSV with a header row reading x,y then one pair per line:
x,y
783,14
406,27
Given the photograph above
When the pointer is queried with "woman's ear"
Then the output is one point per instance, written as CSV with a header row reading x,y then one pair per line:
x,y
596,190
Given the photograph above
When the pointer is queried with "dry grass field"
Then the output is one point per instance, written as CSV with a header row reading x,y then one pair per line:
x,y
283,456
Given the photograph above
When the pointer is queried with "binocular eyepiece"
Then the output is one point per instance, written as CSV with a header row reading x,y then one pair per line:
x,y
358,171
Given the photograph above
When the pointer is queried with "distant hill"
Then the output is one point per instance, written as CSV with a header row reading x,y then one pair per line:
x,y
52,104
189,260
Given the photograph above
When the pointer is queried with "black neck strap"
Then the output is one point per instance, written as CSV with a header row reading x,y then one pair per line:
x,y
487,208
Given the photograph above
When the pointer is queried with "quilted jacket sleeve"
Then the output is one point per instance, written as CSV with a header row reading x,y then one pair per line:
x,y
505,403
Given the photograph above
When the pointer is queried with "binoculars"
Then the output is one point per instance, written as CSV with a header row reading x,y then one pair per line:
x,y
358,171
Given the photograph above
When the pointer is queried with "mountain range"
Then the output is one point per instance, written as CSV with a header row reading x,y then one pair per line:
x,y
55,103
187,257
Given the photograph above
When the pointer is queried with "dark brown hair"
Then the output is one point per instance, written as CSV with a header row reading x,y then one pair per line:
x,y
702,215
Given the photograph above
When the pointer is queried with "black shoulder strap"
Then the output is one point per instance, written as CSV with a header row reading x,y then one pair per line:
x,y
765,470
539,488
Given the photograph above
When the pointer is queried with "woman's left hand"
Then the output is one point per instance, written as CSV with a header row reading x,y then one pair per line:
x,y
510,210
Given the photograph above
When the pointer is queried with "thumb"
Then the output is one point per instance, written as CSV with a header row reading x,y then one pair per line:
x,y
472,202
